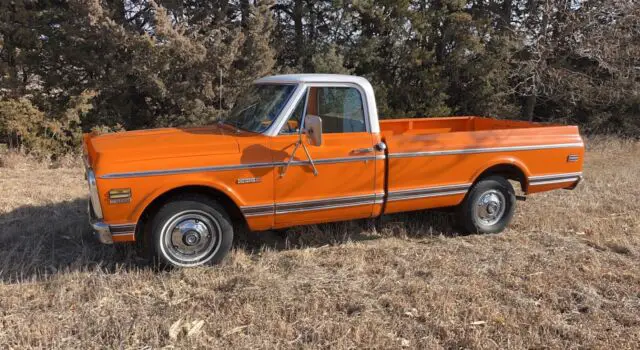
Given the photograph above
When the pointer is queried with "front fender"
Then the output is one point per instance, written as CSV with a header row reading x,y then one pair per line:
x,y
170,184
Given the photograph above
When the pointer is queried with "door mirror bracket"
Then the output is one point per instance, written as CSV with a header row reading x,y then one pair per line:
x,y
312,127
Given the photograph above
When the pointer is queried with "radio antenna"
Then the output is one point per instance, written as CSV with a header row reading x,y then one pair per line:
x,y
220,72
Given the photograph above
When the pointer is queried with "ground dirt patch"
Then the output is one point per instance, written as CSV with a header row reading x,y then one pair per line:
x,y
565,275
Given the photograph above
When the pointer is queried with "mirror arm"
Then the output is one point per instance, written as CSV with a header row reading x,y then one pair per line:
x,y
313,165
293,155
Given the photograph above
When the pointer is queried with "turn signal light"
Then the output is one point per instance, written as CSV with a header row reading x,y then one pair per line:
x,y
120,195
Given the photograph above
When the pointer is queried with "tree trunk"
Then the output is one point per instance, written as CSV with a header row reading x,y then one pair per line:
x,y
245,12
298,13
529,107
507,9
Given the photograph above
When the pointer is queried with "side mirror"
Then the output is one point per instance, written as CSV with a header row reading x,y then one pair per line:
x,y
313,129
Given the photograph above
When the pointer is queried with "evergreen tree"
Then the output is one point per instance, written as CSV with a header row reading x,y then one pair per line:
x,y
68,66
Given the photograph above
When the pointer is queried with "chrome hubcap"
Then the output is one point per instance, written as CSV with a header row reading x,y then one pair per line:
x,y
191,236
490,207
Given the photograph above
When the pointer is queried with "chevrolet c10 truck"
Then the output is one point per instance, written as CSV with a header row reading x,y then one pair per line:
x,y
306,149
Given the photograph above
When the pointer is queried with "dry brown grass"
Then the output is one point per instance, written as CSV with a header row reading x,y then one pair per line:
x,y
566,275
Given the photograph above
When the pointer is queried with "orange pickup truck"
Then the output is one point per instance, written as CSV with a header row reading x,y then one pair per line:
x,y
306,149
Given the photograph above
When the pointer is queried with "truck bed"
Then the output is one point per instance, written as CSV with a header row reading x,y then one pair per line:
x,y
451,124
444,156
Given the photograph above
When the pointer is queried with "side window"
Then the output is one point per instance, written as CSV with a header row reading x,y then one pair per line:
x,y
341,110
292,125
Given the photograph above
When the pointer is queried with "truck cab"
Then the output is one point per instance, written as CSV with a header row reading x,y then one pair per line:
x,y
310,148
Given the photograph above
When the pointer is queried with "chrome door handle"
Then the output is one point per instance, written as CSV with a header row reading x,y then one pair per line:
x,y
362,150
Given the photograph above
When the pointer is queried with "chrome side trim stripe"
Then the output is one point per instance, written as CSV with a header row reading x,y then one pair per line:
x,y
322,204
334,160
427,192
554,179
325,204
238,167
354,201
186,170
483,150
122,230
259,210
553,176
559,181
393,196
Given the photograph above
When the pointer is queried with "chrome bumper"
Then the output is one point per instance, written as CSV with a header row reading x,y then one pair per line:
x,y
573,187
101,230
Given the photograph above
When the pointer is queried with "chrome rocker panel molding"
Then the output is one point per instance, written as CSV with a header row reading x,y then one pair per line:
x,y
428,192
325,204
346,202
393,196
555,179
303,206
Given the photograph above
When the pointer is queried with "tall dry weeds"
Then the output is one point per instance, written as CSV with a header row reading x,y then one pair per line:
x,y
565,275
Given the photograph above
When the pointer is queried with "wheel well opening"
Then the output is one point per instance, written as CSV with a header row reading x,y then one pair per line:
x,y
509,172
228,204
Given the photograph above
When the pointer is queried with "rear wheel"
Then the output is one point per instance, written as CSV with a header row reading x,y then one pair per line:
x,y
190,231
488,207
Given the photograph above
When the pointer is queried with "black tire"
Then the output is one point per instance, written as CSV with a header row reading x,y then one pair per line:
x,y
488,207
189,231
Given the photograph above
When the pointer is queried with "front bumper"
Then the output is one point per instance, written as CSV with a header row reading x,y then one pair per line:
x,y
101,230
109,234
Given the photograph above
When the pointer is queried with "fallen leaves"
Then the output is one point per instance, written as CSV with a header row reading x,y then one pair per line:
x,y
235,330
189,329
175,329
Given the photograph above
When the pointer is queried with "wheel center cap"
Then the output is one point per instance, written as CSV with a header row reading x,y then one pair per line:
x,y
492,208
191,238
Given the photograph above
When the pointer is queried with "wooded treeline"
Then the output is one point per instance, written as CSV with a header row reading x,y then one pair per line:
x,y
71,66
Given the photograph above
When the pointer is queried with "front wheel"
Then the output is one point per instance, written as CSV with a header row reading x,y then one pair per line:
x,y
191,231
488,207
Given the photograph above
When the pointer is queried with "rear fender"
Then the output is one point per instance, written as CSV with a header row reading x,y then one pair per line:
x,y
506,160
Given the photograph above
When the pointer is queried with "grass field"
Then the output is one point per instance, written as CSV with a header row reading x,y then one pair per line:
x,y
565,275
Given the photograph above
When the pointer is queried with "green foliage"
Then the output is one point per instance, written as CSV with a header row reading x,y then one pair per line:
x,y
80,65
24,126
330,61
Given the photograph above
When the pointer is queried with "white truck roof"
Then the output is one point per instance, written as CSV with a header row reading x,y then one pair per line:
x,y
314,78
369,97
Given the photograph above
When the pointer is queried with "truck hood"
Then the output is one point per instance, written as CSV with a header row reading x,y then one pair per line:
x,y
143,145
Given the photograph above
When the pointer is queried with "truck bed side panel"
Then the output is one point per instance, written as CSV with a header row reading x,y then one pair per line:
x,y
429,170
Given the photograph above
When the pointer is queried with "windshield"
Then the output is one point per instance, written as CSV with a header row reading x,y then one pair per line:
x,y
258,108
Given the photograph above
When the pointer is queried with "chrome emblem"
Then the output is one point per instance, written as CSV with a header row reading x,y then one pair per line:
x,y
249,180
120,200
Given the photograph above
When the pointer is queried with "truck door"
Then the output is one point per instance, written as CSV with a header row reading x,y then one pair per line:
x,y
343,188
